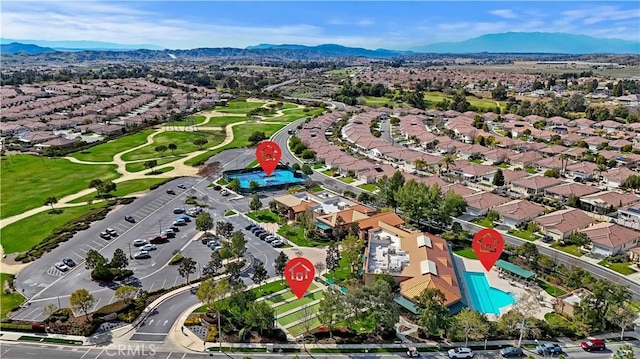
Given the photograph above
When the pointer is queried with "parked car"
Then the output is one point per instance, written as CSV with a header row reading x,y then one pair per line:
x,y
159,239
168,233
258,233
178,210
206,240
193,290
270,238
511,352
593,344
105,235
130,219
217,187
459,353
256,228
174,229
61,267
206,270
111,231
214,245
148,247
548,348
182,186
186,218
69,262
250,227
179,222
139,242
224,193
196,209
413,352
170,191
192,213
547,239
264,235
277,243
142,255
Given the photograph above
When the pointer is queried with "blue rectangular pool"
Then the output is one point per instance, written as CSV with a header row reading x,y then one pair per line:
x,y
278,177
485,298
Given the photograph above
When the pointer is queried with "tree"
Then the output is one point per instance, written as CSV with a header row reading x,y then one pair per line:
x,y
333,257
204,222
97,184
238,244
499,93
388,187
233,272
433,314
187,267
94,259
352,250
526,306
331,309
234,185
200,142
151,164
617,89
552,173
126,293
109,187
82,300
280,263
472,324
50,201
49,310
256,137
259,273
119,260
498,178
578,238
492,215
255,204
622,316
216,261
306,169
161,149
320,267
211,294
254,186
172,147
224,229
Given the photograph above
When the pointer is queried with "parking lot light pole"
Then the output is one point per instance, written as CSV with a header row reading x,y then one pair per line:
x,y
130,256
160,226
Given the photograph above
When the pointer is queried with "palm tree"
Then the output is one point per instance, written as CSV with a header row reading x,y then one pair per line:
x,y
601,168
420,164
447,160
564,160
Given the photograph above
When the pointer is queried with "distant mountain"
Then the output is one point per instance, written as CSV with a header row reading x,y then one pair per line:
x,y
535,42
19,48
82,45
332,49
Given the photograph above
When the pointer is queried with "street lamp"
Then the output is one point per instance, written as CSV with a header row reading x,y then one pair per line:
x,y
130,256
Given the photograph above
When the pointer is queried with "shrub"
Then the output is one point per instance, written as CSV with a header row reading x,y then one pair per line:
x,y
122,274
16,327
176,259
102,273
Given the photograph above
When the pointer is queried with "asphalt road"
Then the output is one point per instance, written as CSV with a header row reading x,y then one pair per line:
x,y
12,350
158,324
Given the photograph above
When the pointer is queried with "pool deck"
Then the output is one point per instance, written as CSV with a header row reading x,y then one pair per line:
x,y
472,265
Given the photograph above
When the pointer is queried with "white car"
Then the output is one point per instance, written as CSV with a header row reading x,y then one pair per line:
x,y
139,242
460,353
142,255
61,267
148,247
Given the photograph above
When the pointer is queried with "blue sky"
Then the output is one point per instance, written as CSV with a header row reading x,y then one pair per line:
x,y
369,24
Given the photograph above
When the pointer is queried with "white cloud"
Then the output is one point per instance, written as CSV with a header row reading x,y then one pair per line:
x,y
505,13
362,22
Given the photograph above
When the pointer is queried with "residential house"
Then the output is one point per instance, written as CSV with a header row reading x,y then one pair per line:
x,y
615,177
497,155
607,201
474,173
525,159
533,185
563,192
610,239
566,303
583,170
609,125
517,212
561,224
479,204
415,260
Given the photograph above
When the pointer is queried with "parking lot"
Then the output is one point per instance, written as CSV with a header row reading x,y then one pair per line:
x,y
44,284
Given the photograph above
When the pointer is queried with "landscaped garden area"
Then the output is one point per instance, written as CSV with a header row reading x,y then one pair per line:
x,y
264,216
9,298
570,249
371,187
239,107
296,234
620,267
28,180
524,234
484,222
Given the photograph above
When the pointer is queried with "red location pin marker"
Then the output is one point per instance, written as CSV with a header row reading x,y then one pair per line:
x,y
488,245
299,273
268,155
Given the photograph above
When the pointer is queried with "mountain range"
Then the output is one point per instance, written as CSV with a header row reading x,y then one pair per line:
x,y
510,42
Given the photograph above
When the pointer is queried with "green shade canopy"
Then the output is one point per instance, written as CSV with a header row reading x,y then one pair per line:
x,y
517,270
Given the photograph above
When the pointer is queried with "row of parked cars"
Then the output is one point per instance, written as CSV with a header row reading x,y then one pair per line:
x,y
65,264
541,349
264,235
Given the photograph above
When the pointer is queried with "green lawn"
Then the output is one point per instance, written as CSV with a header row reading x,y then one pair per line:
x,y
316,189
466,252
371,187
483,222
318,166
199,158
477,161
526,235
279,298
288,319
570,249
139,166
342,273
433,98
329,172
125,188
295,114
8,301
239,107
622,268
253,163
104,152
229,213
296,235
26,233
301,328
347,180
264,216
531,171
191,120
503,165
158,171
28,180
553,291
378,101
226,120
242,132
300,302
270,288
184,141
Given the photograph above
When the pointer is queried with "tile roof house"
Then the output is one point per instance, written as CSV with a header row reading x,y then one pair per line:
x,y
479,204
583,169
415,260
607,201
517,212
533,185
561,224
474,173
615,177
610,239
562,192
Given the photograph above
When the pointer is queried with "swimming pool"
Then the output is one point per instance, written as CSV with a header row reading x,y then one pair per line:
x,y
485,298
280,176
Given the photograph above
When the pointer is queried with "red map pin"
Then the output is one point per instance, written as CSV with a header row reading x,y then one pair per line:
x,y
299,273
268,155
488,245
